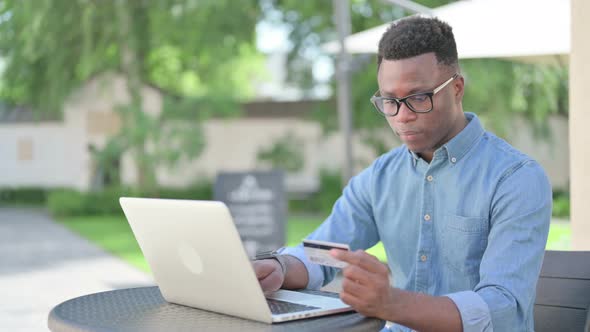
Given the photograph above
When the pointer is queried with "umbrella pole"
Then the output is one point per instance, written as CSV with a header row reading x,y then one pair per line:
x,y
344,100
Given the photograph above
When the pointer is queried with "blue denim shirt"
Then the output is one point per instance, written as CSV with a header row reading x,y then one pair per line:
x,y
471,225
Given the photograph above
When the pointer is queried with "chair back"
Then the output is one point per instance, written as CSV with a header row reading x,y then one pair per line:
x,y
563,292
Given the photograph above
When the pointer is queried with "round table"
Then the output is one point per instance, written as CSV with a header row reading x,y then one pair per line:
x,y
144,309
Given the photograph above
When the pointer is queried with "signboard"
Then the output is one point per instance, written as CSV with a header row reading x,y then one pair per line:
x,y
258,205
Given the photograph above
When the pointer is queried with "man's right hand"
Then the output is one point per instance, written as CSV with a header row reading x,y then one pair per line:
x,y
269,274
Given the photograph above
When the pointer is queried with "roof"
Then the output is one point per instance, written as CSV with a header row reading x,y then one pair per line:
x,y
20,114
283,109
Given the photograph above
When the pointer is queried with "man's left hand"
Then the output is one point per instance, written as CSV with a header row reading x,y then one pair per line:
x,y
365,284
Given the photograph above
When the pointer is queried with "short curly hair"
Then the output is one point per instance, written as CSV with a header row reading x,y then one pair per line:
x,y
416,35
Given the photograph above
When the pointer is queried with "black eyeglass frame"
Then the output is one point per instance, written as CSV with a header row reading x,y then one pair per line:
x,y
398,101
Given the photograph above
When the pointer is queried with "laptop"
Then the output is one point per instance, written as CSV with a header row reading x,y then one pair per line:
x,y
197,259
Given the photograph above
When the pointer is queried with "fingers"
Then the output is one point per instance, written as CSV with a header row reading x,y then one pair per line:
x,y
350,299
358,275
269,274
361,259
272,282
366,299
360,305
365,285
262,268
352,287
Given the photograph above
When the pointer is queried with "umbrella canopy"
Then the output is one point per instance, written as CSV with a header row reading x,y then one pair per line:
x,y
524,30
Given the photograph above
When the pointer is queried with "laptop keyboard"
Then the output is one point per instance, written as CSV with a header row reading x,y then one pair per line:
x,y
282,307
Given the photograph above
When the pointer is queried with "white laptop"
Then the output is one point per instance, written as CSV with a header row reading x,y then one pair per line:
x,y
198,260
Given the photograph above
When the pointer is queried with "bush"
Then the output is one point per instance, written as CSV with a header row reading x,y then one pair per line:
x,y
23,195
68,202
330,191
200,191
106,201
561,204
322,201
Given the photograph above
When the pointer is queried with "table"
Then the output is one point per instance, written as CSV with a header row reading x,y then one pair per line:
x,y
144,309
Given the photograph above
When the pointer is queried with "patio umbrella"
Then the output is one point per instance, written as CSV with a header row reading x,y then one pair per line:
x,y
523,30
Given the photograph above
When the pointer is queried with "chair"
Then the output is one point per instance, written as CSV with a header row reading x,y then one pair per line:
x,y
563,292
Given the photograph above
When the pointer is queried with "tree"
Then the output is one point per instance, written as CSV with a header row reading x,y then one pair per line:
x,y
311,24
496,89
285,153
197,52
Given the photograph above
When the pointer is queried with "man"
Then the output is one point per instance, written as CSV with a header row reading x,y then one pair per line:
x,y
463,216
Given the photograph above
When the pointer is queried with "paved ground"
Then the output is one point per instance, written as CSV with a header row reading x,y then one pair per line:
x,y
43,264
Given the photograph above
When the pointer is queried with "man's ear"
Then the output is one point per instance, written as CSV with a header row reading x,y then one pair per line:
x,y
459,88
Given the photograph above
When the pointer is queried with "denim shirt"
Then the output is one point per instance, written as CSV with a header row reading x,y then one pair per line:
x,y
471,225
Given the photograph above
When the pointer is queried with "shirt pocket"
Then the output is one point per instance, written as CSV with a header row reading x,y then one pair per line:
x,y
464,242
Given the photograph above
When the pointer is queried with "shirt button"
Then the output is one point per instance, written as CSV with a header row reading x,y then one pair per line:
x,y
453,160
427,217
423,258
429,178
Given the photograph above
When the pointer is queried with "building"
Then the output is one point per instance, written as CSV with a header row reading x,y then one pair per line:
x,y
57,152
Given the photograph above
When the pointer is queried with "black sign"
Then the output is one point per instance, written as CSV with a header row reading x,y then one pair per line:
x,y
258,205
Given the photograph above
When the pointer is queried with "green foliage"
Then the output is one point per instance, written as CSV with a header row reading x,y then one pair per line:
x,y
540,91
23,195
186,49
499,89
199,191
285,153
366,120
495,89
561,204
330,191
488,90
68,202
322,201
311,24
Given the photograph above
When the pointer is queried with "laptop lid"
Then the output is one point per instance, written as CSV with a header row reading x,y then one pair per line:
x,y
196,255
198,260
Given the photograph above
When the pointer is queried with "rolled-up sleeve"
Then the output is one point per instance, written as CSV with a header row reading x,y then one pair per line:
x,y
474,311
503,300
314,271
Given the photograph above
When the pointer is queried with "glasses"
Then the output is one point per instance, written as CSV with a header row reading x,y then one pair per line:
x,y
417,103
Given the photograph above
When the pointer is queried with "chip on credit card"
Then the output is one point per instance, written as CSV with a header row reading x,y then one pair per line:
x,y
319,252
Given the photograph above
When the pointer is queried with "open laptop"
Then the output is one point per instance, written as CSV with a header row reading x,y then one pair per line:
x,y
198,260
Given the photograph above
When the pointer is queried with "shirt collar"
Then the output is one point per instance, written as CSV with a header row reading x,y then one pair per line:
x,y
415,157
458,146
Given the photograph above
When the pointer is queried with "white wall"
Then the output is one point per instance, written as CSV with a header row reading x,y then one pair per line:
x,y
579,132
551,152
56,158
232,145
60,155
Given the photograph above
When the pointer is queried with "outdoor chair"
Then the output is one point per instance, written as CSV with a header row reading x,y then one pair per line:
x,y
563,292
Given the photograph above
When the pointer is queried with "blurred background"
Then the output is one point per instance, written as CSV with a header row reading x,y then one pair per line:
x,y
102,99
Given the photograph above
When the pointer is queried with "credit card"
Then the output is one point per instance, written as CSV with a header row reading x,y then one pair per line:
x,y
319,252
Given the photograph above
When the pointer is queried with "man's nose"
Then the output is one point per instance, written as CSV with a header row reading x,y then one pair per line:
x,y
405,114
